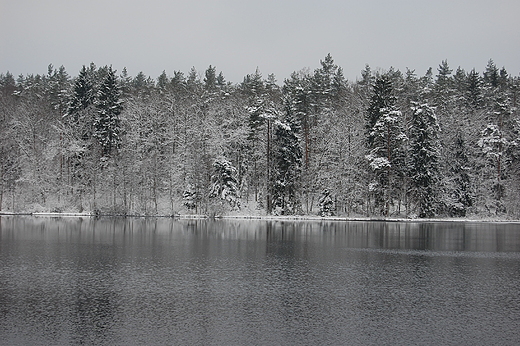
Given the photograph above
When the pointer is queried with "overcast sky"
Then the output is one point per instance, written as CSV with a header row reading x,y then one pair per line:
x,y
277,36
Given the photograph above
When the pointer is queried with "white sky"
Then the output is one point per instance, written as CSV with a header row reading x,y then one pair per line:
x,y
278,36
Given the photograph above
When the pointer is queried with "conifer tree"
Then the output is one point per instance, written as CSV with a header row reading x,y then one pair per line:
x,y
210,79
424,159
474,90
224,182
458,180
443,88
83,96
107,127
162,81
287,163
381,101
491,75
326,204
221,81
385,139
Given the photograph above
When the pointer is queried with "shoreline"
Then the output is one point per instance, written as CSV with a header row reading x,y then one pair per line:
x,y
268,217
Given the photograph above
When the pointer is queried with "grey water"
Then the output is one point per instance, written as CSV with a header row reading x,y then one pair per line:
x,y
117,281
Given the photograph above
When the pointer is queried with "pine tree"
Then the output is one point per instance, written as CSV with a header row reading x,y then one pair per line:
x,y
163,81
221,81
424,159
287,164
189,197
59,84
107,128
178,81
224,182
326,204
491,75
83,96
193,81
474,90
458,180
494,146
381,101
443,89
460,88
210,79
263,111
323,84
385,139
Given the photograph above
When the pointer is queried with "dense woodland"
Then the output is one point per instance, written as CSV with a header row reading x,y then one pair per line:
x,y
393,143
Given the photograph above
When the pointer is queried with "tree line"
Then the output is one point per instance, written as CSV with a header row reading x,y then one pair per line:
x,y
391,143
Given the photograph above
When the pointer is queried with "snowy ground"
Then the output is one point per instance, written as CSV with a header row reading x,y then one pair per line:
x,y
278,218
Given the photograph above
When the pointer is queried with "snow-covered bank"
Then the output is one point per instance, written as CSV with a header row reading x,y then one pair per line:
x,y
363,219
270,217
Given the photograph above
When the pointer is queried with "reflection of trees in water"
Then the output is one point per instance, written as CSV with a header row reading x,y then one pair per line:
x,y
96,301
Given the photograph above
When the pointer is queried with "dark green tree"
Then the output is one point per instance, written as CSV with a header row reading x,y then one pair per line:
x,y
163,81
107,124
224,182
385,139
287,167
424,159
474,96
458,180
210,79
83,96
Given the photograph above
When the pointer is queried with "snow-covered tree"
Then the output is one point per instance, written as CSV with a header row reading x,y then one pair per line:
x,y
494,146
210,79
107,127
458,195
326,204
287,164
83,97
385,139
224,182
424,159
189,197
163,81
474,96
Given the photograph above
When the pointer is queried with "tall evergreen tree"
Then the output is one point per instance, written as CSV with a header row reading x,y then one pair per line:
x,y
224,182
424,159
163,81
382,100
443,88
107,127
210,79
83,95
287,164
385,138
457,182
474,90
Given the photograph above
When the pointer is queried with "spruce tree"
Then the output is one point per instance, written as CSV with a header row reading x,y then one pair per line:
x,y
443,89
424,159
210,79
83,96
326,204
474,97
287,164
107,128
224,182
459,197
385,139
381,101
163,81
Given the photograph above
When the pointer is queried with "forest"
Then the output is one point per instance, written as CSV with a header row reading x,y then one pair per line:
x,y
390,144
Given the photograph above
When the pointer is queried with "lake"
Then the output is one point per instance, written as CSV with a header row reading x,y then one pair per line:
x,y
136,281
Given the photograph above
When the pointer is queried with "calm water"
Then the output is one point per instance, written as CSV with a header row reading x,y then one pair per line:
x,y
165,282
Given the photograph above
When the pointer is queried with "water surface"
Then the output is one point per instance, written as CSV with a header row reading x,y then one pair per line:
x,y
195,282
